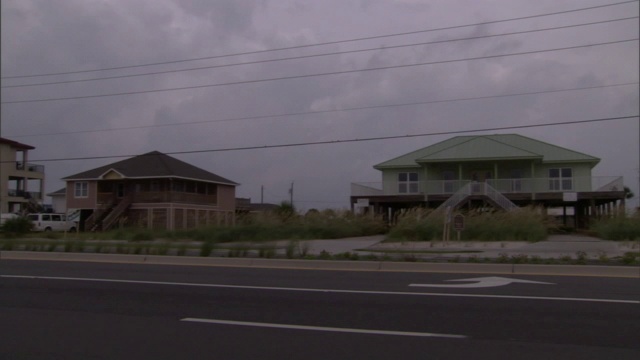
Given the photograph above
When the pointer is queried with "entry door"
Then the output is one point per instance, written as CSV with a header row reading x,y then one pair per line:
x,y
481,175
120,190
478,177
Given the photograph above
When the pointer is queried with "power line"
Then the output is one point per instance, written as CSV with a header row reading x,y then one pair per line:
x,y
325,43
330,111
327,142
316,55
315,75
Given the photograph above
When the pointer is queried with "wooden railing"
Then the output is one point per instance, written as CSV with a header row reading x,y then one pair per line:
x,y
110,219
504,186
162,197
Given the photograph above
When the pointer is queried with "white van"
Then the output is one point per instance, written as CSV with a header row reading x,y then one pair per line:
x,y
51,222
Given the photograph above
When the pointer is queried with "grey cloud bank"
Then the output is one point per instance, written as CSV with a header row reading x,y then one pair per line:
x,y
65,35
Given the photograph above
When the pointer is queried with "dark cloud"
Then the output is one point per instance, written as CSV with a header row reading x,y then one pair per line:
x,y
41,36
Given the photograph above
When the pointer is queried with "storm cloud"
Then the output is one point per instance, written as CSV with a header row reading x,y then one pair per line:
x,y
61,36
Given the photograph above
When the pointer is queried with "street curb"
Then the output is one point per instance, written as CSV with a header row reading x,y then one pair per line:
x,y
344,265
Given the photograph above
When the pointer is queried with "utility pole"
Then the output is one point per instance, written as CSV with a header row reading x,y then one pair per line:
x,y
291,195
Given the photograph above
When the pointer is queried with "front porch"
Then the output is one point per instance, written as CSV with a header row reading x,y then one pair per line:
x,y
579,199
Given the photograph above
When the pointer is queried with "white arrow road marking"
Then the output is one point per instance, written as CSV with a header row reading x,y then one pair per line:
x,y
324,291
482,282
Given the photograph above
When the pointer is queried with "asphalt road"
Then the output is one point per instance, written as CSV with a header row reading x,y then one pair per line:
x,y
66,310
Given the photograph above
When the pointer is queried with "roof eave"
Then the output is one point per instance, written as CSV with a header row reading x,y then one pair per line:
x,y
383,167
426,161
231,183
593,162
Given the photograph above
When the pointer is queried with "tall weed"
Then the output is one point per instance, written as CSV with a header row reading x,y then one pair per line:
x,y
618,228
527,224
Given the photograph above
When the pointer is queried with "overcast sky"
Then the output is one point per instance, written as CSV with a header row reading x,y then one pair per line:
x,y
61,36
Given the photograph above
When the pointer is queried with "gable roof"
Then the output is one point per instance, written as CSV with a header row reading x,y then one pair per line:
x,y
488,147
152,165
60,192
16,144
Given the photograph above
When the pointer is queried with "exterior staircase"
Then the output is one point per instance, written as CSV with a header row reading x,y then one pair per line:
x,y
103,219
116,212
478,189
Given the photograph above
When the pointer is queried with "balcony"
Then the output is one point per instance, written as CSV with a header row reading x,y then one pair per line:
x,y
36,195
29,167
162,197
504,186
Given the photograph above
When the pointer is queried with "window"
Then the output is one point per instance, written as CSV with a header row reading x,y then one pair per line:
x,y
120,190
178,186
560,179
190,187
81,189
408,183
155,186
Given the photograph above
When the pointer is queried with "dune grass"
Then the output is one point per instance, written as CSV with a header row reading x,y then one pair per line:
x,y
526,224
327,224
618,228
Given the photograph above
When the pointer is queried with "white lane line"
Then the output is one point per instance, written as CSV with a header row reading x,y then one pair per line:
x,y
336,291
322,328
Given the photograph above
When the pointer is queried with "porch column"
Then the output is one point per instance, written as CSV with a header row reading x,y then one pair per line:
x,y
425,189
460,173
495,170
621,208
533,181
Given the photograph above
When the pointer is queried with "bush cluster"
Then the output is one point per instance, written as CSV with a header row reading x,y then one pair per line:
x,y
17,226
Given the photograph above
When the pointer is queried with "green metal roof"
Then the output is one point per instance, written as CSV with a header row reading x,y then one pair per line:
x,y
488,147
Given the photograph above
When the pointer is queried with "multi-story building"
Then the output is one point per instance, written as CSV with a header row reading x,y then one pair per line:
x,y
153,191
505,171
21,182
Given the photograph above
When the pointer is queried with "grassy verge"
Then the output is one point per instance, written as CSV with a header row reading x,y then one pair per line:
x,y
298,250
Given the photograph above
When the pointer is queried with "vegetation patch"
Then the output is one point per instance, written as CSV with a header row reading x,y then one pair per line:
x,y
16,227
618,228
526,224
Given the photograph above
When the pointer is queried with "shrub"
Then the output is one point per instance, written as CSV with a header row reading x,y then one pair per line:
x,y
17,226
290,250
206,248
618,228
631,258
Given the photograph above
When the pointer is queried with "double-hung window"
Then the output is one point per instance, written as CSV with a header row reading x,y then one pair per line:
x,y
81,190
560,179
408,183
